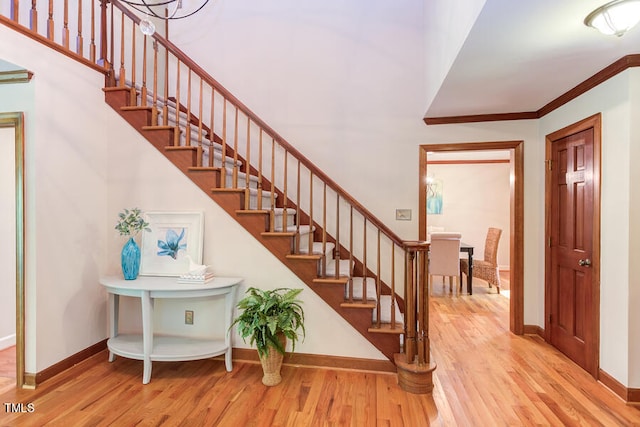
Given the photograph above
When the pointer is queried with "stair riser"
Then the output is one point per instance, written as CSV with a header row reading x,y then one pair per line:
x,y
242,182
385,311
217,160
344,268
357,288
266,201
279,218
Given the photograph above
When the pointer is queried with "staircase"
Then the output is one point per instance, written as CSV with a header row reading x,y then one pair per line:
x,y
353,261
275,222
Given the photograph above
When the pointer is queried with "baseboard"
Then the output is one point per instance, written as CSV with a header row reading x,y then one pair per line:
x,y
320,361
8,341
240,354
629,395
53,370
534,330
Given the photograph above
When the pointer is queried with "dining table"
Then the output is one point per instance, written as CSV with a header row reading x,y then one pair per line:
x,y
468,249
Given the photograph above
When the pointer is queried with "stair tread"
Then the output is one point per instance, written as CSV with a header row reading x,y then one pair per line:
x,y
332,280
228,190
179,148
277,234
203,169
253,212
116,88
137,108
159,127
303,256
359,304
302,229
252,191
385,328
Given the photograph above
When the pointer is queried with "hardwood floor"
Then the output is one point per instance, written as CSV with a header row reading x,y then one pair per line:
x,y
8,362
485,377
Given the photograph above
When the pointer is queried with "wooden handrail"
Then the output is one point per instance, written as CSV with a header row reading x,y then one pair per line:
x,y
317,172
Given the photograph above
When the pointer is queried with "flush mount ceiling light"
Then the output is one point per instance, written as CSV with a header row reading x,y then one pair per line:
x,y
615,18
164,9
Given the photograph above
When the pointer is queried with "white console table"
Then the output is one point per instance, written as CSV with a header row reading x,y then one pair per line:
x,y
146,346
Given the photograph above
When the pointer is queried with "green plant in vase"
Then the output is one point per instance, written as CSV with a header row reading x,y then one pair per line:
x,y
130,223
268,318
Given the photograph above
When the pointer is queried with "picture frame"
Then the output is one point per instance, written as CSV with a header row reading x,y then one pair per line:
x,y
434,196
173,235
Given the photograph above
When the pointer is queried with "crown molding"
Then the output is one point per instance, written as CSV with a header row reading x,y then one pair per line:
x,y
600,77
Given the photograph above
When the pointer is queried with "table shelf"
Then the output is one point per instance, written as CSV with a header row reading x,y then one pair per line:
x,y
167,348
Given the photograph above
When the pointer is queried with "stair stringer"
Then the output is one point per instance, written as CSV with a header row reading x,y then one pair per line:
x,y
232,201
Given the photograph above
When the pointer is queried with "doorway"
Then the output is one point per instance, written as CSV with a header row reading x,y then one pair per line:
x,y
516,239
14,212
572,254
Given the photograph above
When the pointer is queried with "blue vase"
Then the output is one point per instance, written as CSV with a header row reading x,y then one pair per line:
x,y
130,259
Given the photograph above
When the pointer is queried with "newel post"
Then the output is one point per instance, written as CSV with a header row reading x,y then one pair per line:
x,y
415,368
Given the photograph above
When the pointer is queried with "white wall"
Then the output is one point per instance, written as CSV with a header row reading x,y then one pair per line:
x,y
475,197
66,187
8,241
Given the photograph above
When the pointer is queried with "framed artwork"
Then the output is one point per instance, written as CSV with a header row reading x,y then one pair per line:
x,y
174,239
434,196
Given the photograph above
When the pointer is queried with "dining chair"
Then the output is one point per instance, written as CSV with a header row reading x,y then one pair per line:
x,y
487,268
433,229
444,255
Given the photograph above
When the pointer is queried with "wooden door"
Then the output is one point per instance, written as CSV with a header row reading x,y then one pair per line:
x,y
573,305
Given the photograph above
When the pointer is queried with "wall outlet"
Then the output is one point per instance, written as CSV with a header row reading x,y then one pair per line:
x,y
188,317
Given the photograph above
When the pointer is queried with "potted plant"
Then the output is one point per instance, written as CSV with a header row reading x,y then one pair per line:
x,y
268,318
130,223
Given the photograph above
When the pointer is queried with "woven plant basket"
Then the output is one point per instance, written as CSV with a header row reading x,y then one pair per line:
x,y
271,364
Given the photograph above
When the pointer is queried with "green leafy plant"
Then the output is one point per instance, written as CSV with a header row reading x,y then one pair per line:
x,y
267,313
131,222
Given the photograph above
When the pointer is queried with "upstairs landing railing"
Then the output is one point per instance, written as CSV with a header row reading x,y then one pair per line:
x,y
106,36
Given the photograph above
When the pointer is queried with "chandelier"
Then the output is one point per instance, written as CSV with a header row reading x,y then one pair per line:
x,y
164,9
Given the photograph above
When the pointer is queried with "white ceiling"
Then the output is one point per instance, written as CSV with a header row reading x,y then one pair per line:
x,y
522,54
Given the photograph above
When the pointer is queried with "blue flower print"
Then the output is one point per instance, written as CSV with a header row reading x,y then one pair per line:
x,y
172,244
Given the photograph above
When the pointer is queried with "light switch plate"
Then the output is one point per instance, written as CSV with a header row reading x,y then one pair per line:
x,y
188,317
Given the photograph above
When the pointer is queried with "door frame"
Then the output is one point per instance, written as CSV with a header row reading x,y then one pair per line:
x,y
594,122
516,237
16,121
